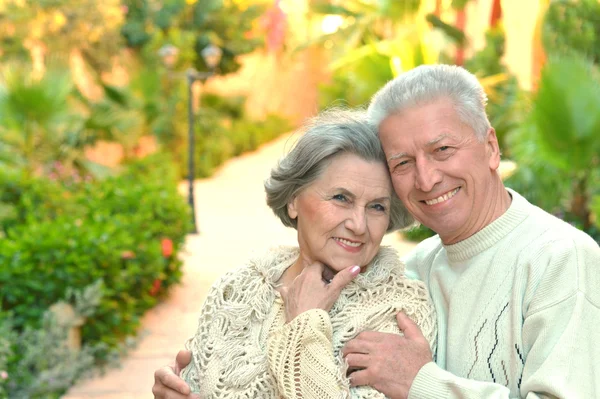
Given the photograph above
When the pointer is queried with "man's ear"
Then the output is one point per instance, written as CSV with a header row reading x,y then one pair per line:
x,y
291,208
493,149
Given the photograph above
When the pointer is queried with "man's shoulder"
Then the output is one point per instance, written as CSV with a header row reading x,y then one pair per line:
x,y
425,251
549,231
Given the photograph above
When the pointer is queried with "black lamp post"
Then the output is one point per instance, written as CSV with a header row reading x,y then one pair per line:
x,y
212,56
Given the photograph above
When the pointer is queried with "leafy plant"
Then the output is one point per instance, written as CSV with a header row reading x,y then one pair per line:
x,y
376,42
111,230
193,25
61,26
502,88
418,233
42,362
35,117
46,119
572,26
563,126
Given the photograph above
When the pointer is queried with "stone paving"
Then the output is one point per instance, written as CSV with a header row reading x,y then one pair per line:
x,y
234,222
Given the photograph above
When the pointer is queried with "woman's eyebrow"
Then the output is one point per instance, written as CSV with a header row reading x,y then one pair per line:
x,y
381,199
344,191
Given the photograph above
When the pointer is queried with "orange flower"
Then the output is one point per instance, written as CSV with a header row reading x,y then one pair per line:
x,y
167,247
155,287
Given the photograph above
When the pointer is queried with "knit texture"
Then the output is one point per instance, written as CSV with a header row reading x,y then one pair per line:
x,y
518,308
244,349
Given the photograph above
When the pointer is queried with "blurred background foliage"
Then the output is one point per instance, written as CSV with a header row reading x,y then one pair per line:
x,y
556,144
73,76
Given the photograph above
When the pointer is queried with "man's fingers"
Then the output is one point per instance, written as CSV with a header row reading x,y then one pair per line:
x,y
357,360
183,358
344,277
355,345
359,377
410,329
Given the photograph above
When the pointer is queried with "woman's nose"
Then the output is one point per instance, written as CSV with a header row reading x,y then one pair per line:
x,y
357,221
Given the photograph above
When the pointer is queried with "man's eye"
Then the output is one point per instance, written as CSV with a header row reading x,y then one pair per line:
x,y
400,166
443,148
340,197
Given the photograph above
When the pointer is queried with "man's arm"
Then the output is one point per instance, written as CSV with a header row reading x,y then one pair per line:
x,y
560,363
561,332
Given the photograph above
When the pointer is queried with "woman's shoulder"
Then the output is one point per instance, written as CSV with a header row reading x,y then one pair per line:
x,y
263,267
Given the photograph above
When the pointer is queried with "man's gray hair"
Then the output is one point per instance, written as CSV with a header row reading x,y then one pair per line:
x,y
333,132
427,83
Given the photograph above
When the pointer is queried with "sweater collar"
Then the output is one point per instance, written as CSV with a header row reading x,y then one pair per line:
x,y
384,264
492,233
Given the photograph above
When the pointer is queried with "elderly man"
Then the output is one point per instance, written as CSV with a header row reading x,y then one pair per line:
x,y
516,290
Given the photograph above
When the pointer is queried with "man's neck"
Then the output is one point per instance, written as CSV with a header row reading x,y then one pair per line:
x,y
498,199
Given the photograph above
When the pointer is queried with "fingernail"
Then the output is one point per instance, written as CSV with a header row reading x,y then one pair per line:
x,y
355,269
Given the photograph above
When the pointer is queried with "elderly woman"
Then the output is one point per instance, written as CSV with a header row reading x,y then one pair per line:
x,y
275,327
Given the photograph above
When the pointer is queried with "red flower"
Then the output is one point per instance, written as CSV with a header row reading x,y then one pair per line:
x,y
155,287
167,247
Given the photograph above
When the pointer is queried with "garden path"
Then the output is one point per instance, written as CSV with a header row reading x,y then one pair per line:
x,y
234,222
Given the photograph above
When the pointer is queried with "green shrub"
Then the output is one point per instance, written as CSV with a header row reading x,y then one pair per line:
x,y
42,362
418,233
113,230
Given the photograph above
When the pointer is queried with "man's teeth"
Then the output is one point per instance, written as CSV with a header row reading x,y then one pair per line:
x,y
442,198
348,243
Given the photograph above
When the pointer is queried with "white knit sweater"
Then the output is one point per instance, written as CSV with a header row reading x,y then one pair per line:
x,y
244,349
518,308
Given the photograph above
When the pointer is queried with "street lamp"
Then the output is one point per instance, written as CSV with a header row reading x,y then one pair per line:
x,y
211,55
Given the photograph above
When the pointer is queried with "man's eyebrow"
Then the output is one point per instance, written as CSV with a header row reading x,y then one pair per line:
x,y
438,139
397,156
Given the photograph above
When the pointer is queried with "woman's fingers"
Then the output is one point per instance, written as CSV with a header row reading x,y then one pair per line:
x,y
343,278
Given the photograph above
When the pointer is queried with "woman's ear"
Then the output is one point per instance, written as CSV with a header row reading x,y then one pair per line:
x,y
291,208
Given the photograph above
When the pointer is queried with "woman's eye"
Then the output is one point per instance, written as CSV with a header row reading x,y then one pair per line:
x,y
379,207
340,197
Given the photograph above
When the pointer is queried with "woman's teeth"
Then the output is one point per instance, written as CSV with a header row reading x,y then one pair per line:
x,y
348,243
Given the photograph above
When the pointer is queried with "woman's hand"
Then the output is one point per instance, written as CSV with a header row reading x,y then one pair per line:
x,y
168,383
311,290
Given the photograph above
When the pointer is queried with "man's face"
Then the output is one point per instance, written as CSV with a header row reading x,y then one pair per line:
x,y
440,170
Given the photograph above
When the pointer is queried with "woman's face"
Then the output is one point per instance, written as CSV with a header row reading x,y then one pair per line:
x,y
343,215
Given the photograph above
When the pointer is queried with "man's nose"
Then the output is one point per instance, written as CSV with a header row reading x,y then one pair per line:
x,y
427,175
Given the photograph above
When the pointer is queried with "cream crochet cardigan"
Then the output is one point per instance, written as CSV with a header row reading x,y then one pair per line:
x,y
244,349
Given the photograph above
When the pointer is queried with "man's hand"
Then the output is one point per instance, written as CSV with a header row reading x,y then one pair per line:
x,y
310,290
168,385
388,362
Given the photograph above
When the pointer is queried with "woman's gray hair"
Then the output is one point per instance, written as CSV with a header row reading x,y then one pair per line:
x,y
334,132
427,83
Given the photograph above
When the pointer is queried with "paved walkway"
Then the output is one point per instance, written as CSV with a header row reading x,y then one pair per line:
x,y
234,221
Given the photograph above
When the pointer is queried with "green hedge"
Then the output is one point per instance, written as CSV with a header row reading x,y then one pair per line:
x,y
120,230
